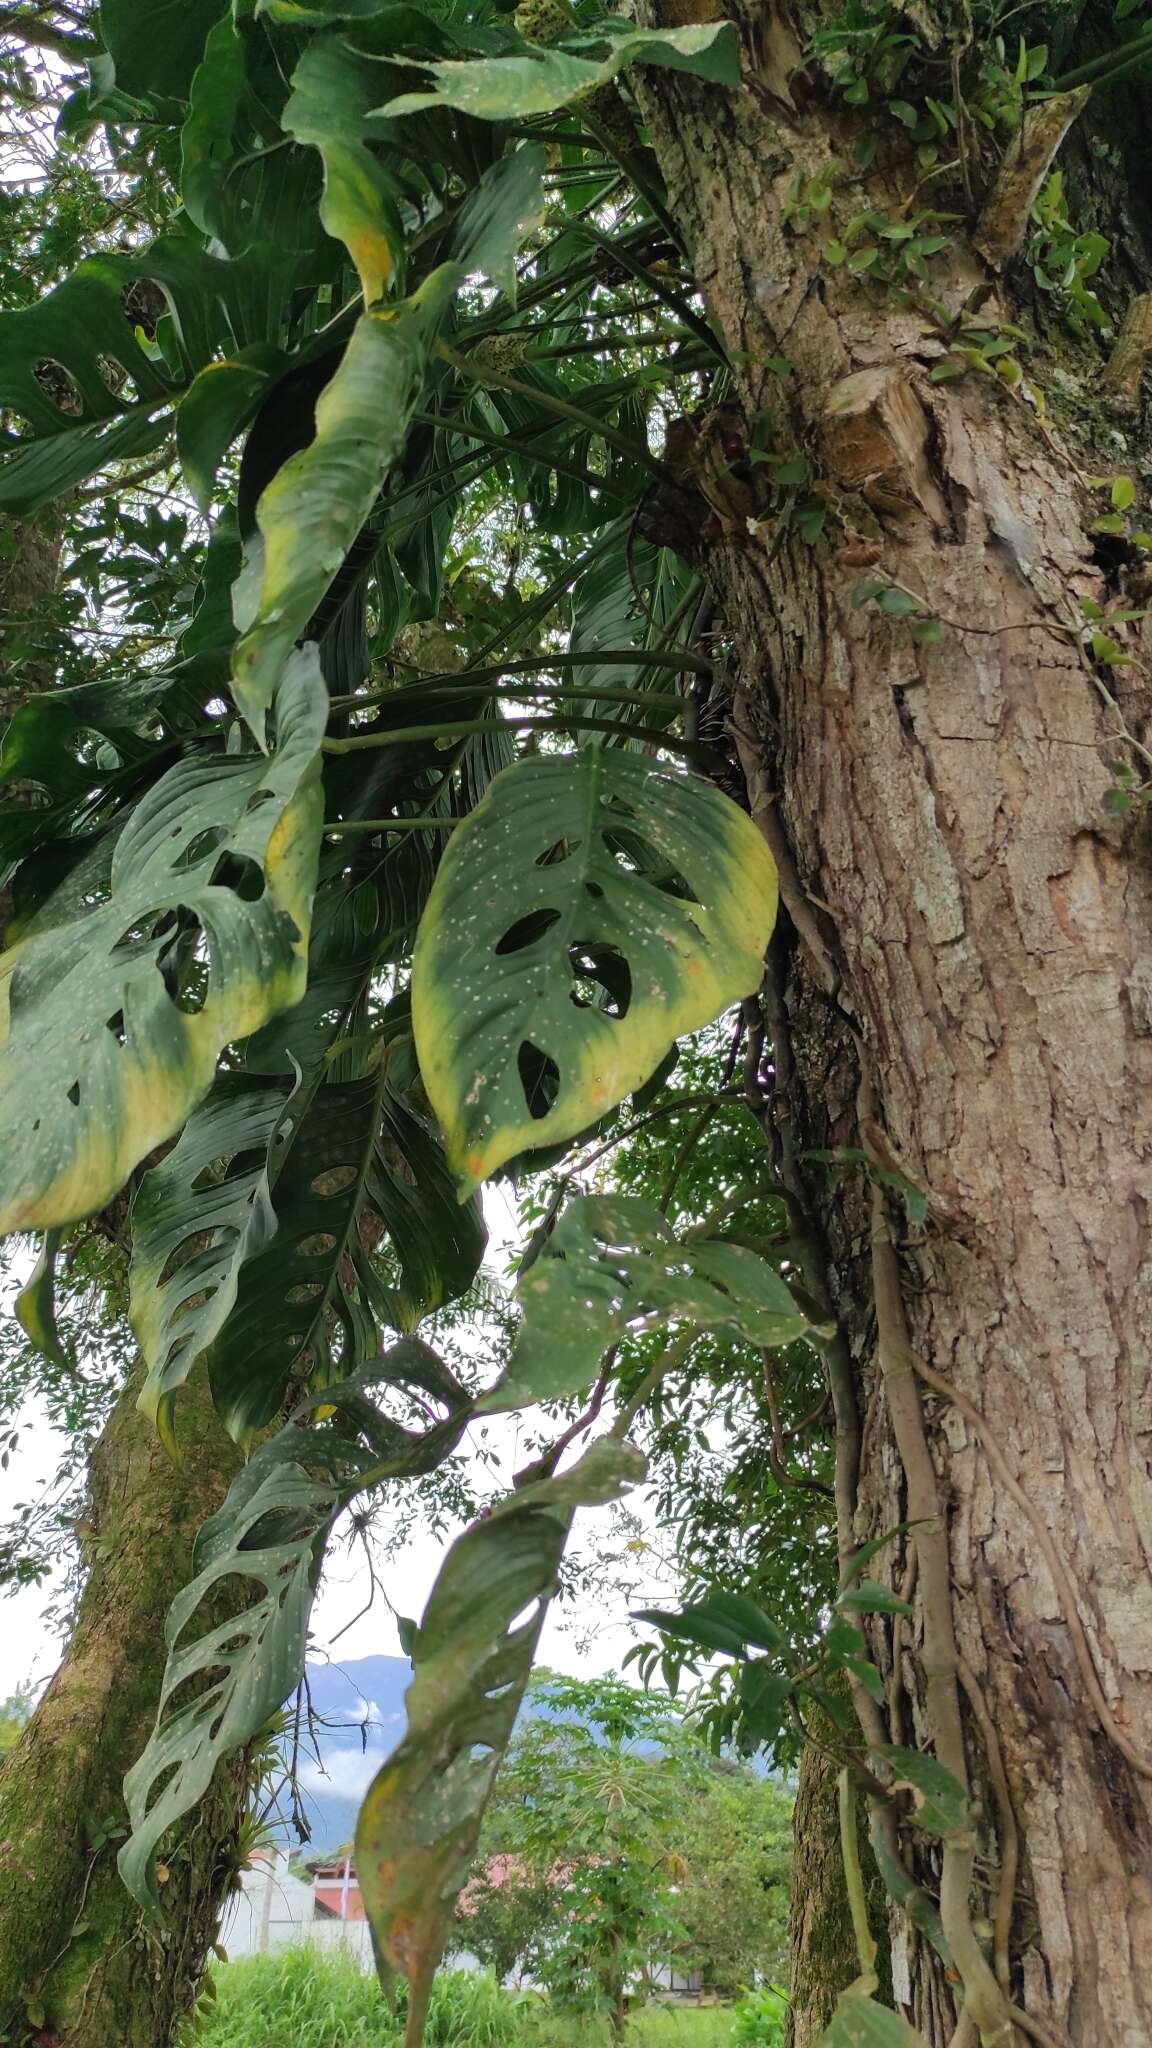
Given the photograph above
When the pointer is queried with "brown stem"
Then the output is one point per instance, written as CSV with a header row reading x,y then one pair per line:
x,y
983,1997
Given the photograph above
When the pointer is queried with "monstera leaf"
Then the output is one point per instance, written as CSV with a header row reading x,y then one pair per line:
x,y
368,1235
472,1657
269,1537
612,1267
314,508
588,912
113,1019
156,44
107,393
200,1214
533,80
280,1234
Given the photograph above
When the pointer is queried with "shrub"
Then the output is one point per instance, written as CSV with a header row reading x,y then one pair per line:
x,y
760,2017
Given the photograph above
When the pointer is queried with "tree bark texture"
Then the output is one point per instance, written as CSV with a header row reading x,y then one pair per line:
x,y
982,924
78,1967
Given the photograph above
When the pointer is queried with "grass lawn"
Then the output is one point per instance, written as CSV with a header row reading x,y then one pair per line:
x,y
299,1999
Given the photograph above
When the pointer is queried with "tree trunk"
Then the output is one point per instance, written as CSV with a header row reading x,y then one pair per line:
x,y
78,1968
981,923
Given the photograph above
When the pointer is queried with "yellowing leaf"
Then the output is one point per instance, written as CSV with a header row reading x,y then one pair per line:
x,y
471,1656
590,910
111,1022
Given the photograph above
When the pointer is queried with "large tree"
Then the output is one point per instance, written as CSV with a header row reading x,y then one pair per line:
x,y
447,278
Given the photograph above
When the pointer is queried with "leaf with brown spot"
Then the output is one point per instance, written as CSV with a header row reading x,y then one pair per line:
x,y
472,1657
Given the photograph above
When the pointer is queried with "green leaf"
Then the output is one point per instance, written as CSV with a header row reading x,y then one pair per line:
x,y
540,80
859,2022
35,1305
868,1676
939,1800
472,1656
898,604
868,1551
869,1597
1123,493
497,216
253,1658
269,1538
315,506
1108,652
612,1266
203,1211
604,873
368,1235
115,1017
156,45
221,400
694,1625
218,306
835,253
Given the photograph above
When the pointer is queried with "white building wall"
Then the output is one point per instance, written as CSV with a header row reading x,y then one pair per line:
x,y
274,1910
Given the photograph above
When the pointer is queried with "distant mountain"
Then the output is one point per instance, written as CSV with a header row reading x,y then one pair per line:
x,y
359,1714
359,1709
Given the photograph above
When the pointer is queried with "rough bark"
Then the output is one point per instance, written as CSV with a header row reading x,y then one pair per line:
x,y
78,1968
988,923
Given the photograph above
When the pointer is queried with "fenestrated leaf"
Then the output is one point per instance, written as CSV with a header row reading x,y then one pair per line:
x,y
49,744
198,1216
472,1657
858,2022
366,1234
939,1800
537,80
613,1266
650,887
217,305
113,1021
271,1532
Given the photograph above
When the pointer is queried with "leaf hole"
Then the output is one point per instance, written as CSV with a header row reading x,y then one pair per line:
x,y
74,1095
317,1246
115,1024
258,798
594,890
244,877
334,1180
560,850
527,1617
60,386
298,1295
602,977
527,930
198,847
116,379
539,1078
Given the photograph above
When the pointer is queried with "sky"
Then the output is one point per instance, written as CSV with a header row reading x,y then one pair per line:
x,y
583,1638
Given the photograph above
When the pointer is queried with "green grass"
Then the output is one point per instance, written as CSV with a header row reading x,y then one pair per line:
x,y
299,1999
653,2027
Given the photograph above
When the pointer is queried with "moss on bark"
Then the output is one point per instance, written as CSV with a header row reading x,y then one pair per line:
x,y
78,1967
